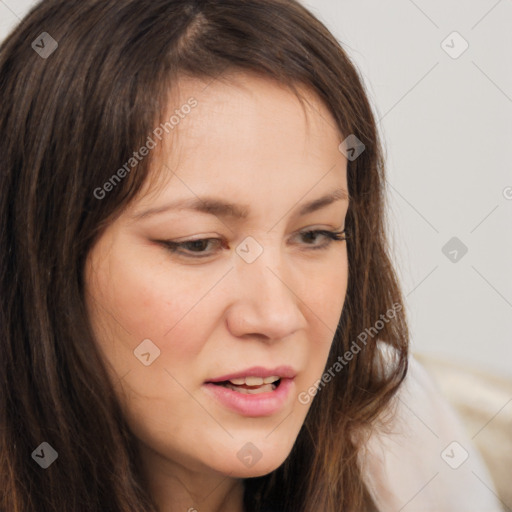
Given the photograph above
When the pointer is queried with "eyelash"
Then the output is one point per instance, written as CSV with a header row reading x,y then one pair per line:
x,y
332,236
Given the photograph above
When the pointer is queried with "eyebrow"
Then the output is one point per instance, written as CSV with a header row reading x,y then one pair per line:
x,y
222,208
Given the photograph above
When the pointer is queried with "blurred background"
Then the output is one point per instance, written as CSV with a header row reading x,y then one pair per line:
x,y
439,76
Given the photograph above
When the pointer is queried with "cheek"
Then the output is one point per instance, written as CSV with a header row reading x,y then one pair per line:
x,y
146,298
324,291
143,301
325,294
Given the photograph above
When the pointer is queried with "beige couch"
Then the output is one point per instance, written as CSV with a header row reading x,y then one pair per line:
x,y
484,403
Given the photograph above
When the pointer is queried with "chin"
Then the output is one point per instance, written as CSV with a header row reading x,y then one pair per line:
x,y
259,469
250,464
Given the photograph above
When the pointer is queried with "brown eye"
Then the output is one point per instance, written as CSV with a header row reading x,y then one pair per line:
x,y
193,248
199,248
329,235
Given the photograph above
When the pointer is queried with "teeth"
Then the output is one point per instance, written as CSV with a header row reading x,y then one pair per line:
x,y
253,381
262,389
239,381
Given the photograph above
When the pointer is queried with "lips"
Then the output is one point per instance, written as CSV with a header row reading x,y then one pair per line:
x,y
256,391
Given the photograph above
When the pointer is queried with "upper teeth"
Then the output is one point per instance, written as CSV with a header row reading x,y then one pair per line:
x,y
254,381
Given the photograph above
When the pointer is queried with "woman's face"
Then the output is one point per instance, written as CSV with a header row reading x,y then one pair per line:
x,y
258,300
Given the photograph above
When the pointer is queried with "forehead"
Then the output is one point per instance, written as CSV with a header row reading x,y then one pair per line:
x,y
236,106
246,134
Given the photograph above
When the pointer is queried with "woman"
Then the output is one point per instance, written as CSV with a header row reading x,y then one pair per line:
x,y
198,307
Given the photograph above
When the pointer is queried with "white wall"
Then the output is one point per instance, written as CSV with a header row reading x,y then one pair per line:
x,y
447,127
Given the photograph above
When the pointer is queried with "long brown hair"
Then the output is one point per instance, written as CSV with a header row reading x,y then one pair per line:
x,y
68,121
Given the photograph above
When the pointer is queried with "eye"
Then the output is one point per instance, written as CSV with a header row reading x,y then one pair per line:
x,y
198,248
330,236
195,248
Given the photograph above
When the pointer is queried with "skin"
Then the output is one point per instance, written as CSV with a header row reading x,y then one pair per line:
x,y
247,141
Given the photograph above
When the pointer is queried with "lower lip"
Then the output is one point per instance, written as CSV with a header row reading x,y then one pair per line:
x,y
257,404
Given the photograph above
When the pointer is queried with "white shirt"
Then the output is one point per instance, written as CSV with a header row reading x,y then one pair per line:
x,y
428,463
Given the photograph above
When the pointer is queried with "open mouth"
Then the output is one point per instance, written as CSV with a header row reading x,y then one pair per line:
x,y
254,396
250,390
251,385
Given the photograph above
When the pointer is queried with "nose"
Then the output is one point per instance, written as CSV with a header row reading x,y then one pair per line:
x,y
265,302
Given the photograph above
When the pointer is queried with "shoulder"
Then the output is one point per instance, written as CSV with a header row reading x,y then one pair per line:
x,y
426,460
